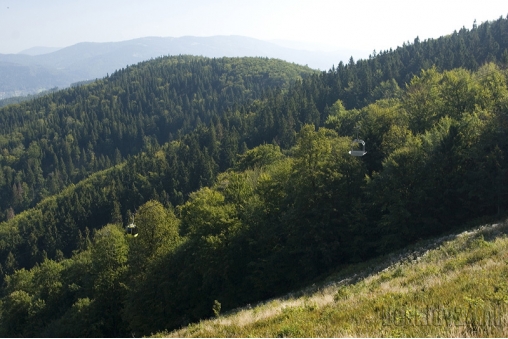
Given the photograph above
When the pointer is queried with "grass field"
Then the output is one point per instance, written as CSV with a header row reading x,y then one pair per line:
x,y
454,286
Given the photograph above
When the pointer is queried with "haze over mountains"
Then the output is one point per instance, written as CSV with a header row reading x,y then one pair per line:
x,y
41,68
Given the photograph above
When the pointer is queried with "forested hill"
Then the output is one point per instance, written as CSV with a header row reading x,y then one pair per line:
x,y
463,48
59,139
240,179
28,73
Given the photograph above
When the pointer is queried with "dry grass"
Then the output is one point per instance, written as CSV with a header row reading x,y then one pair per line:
x,y
455,286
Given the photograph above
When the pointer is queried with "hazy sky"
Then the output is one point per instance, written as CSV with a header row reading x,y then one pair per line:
x,y
352,24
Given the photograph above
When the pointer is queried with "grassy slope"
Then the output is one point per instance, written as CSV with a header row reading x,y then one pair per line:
x,y
453,286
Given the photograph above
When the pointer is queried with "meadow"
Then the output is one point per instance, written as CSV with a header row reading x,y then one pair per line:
x,y
453,286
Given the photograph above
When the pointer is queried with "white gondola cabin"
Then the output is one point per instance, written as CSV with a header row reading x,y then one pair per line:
x,y
358,148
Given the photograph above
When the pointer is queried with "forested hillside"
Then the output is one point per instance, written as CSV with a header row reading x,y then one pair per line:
x,y
61,138
452,286
238,175
28,73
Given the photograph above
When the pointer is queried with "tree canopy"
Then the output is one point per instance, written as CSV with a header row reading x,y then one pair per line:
x,y
237,174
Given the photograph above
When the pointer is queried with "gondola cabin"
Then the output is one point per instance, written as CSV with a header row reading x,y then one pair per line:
x,y
358,148
132,230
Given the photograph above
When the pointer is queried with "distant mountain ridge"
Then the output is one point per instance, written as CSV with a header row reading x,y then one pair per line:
x,y
38,50
35,70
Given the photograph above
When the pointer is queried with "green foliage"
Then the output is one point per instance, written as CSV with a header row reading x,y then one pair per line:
x,y
311,160
342,120
216,308
109,254
266,198
260,156
79,321
53,141
109,257
157,231
207,214
15,312
416,298
422,99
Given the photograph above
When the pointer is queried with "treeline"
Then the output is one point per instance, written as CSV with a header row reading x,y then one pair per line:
x,y
22,98
276,220
466,48
48,143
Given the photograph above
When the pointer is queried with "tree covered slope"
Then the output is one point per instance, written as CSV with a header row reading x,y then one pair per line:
x,y
59,139
453,286
238,175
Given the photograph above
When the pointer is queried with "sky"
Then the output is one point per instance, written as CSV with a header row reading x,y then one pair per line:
x,y
365,25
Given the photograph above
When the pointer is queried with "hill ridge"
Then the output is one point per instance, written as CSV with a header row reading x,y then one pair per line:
x,y
94,60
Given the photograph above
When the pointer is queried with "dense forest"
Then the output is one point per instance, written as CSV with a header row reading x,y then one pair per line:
x,y
61,138
237,174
